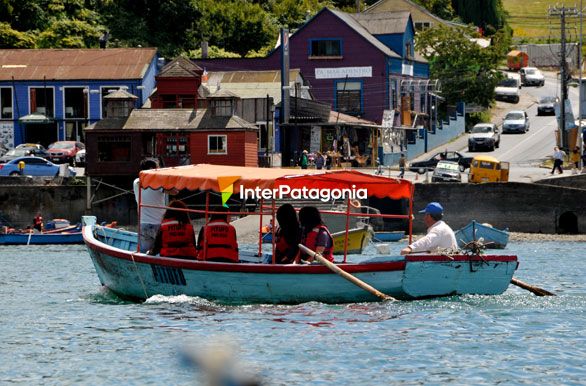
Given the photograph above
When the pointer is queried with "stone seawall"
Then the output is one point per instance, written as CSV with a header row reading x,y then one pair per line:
x,y
521,207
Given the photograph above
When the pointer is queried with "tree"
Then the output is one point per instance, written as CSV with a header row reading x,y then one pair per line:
x,y
440,8
466,71
488,14
10,38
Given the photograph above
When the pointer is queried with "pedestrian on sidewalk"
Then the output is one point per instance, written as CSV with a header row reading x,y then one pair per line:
x,y
558,160
402,165
575,159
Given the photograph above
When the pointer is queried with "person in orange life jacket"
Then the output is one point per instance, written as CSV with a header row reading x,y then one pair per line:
x,y
315,235
38,222
287,235
217,239
176,237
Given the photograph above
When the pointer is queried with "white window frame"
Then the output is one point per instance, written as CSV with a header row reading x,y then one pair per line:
x,y
225,146
11,103
53,90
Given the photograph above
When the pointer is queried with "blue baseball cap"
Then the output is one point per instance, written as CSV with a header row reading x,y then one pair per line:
x,y
433,208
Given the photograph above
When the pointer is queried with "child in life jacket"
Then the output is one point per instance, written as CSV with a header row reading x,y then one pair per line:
x,y
176,237
287,235
315,234
217,239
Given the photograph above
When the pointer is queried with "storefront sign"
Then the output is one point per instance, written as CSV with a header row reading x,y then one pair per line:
x,y
342,72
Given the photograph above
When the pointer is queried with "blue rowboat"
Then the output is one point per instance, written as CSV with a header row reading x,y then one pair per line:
x,y
41,238
388,236
491,237
138,276
135,275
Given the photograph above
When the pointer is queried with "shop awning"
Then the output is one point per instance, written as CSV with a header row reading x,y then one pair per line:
x,y
36,118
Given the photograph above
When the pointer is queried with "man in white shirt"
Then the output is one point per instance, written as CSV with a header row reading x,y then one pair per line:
x,y
439,234
150,218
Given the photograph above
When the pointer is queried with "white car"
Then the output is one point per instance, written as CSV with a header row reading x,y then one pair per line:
x,y
485,135
516,121
531,76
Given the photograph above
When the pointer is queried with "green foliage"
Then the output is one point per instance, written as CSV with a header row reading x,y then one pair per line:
x,y
69,34
293,13
213,52
10,38
488,14
466,71
440,8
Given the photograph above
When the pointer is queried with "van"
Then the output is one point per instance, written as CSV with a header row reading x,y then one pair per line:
x,y
508,88
488,169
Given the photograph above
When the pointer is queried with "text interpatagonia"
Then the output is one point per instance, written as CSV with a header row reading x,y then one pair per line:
x,y
303,193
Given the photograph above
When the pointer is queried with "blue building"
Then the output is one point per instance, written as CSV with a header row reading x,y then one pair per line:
x,y
48,95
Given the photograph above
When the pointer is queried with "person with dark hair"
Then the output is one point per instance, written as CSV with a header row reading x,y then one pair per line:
x,y
176,237
439,234
315,234
287,235
217,239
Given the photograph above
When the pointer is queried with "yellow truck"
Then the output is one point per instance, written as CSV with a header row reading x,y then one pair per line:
x,y
485,168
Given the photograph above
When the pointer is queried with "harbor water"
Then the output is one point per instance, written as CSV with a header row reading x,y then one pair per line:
x,y
58,326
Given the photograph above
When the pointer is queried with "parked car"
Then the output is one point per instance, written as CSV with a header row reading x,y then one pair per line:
x,y
488,169
484,135
64,151
33,166
23,151
508,88
531,76
80,158
547,105
446,171
422,166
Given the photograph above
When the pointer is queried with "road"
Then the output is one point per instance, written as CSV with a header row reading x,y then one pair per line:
x,y
525,152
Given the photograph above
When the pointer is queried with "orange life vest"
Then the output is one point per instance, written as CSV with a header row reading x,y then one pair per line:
x,y
219,239
310,240
178,240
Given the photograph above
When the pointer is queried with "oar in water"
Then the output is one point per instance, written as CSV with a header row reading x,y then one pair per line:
x,y
536,290
333,267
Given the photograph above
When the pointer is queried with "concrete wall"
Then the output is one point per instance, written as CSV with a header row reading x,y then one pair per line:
x,y
569,181
520,207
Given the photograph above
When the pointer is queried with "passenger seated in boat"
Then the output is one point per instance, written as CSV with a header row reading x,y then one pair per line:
x,y
217,239
314,234
176,237
439,234
287,235
38,222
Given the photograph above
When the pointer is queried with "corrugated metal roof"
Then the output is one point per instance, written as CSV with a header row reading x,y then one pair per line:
x,y
75,64
355,25
384,22
175,119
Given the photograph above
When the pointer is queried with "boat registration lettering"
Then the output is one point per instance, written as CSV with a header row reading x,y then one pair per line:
x,y
168,275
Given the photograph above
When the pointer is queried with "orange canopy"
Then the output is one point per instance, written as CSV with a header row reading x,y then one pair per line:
x,y
218,178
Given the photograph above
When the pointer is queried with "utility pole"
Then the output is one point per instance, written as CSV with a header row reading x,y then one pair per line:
x,y
563,12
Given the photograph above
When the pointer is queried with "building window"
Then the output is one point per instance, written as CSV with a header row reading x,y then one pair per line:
x,y
6,109
349,97
114,149
421,26
217,144
394,102
42,100
325,48
222,107
408,49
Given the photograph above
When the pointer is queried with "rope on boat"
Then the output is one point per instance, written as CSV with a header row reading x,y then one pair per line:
x,y
146,296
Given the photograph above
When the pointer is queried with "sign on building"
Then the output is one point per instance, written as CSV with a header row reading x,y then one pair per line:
x,y
342,72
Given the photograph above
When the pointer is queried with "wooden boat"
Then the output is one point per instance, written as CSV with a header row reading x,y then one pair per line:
x,y
135,275
358,239
388,236
71,235
490,237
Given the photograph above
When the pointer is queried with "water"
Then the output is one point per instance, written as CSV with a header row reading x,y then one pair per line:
x,y
57,326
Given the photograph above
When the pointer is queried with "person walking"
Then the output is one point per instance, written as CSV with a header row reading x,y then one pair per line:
x,y
575,159
304,160
558,160
319,161
439,234
402,165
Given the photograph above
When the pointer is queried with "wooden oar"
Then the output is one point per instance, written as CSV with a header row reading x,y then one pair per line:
x,y
536,290
333,267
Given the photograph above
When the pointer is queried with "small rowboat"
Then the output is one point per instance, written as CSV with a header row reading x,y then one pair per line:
x,y
491,238
67,236
388,236
135,275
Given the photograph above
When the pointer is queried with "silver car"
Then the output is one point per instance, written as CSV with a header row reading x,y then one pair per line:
x,y
516,121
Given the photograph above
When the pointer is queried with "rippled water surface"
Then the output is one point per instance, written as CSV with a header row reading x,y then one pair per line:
x,y
58,326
